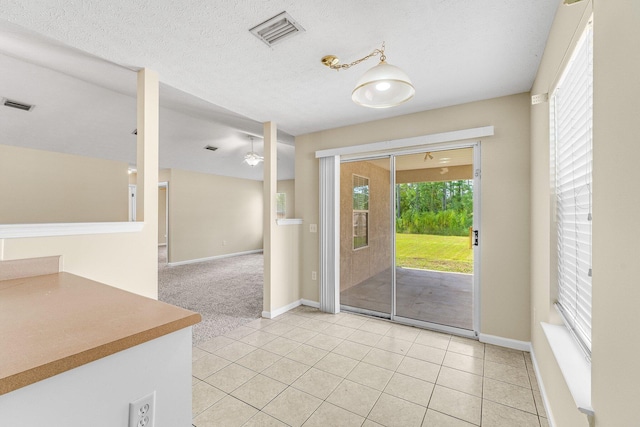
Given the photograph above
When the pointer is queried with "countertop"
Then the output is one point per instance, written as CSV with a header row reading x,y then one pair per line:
x,y
52,323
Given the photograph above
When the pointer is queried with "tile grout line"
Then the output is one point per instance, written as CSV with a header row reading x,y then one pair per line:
x,y
394,371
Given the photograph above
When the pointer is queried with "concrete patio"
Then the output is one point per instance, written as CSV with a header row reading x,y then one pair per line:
x,y
430,296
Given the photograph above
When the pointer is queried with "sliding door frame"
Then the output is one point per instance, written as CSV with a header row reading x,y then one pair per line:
x,y
330,210
473,333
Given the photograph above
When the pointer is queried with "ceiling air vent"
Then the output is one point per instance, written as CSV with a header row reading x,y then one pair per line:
x,y
15,104
277,29
210,148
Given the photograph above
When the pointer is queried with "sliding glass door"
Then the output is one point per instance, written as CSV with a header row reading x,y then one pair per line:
x,y
365,252
408,237
434,250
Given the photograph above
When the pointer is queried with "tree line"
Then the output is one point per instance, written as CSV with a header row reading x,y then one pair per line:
x,y
441,208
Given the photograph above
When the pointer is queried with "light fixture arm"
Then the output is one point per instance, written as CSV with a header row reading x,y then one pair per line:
x,y
333,62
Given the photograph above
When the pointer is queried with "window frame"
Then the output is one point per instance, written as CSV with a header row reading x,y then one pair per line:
x,y
360,213
281,214
571,155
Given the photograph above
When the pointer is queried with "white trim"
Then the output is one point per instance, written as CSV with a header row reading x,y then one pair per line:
x,y
365,312
477,226
505,342
456,135
193,261
573,364
14,231
162,244
289,221
310,303
281,310
543,393
435,327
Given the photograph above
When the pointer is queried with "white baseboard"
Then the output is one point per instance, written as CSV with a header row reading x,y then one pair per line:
x,y
310,303
193,261
505,342
281,310
543,393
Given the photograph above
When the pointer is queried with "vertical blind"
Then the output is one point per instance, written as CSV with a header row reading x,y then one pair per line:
x,y
571,116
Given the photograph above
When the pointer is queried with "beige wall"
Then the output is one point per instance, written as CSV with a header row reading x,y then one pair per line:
x,y
567,27
287,186
616,205
361,264
211,215
162,216
504,271
39,186
454,173
125,260
281,242
615,370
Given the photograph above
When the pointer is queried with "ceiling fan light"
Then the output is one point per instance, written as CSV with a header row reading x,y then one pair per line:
x,y
252,158
383,86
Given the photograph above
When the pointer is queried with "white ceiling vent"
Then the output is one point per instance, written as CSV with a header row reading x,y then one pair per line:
x,y
277,29
15,104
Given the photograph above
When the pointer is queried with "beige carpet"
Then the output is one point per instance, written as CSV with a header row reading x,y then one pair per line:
x,y
226,292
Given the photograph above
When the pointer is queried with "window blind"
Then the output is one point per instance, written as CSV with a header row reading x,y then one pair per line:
x,y
571,116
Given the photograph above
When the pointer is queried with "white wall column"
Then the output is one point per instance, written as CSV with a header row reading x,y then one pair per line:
x,y
269,214
148,124
147,145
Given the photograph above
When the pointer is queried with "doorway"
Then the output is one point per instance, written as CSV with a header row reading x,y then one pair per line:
x,y
163,223
407,237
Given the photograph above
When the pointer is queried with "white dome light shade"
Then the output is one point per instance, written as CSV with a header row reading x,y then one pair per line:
x,y
383,86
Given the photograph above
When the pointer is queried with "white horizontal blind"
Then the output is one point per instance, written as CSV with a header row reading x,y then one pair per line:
x,y
571,135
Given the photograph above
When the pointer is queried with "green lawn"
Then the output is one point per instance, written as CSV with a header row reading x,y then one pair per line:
x,y
428,252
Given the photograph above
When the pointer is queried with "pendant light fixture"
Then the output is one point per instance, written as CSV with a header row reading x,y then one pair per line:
x,y
383,86
252,158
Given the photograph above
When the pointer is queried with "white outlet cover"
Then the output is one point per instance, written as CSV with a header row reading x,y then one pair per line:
x,y
142,411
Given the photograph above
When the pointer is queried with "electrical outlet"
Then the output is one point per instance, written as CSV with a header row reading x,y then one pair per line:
x,y
313,228
224,243
314,275
142,411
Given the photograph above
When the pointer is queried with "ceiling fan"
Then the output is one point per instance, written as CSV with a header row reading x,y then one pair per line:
x,y
252,158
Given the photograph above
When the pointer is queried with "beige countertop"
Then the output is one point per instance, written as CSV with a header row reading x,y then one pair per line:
x,y
52,323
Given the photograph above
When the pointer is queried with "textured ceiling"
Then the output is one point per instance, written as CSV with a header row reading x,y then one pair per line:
x,y
455,51
86,106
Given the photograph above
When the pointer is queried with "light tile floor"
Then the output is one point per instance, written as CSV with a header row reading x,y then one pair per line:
x,y
307,368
